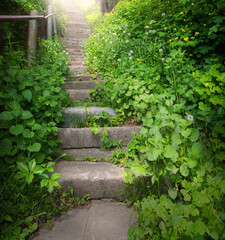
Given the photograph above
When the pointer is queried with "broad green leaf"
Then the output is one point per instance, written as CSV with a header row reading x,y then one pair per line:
x,y
22,167
200,227
50,186
199,199
172,168
152,154
16,130
176,139
44,182
194,135
27,133
172,193
29,178
184,170
191,162
11,72
32,165
38,169
170,152
55,176
5,147
201,171
162,226
27,94
176,221
35,147
196,149
46,93
26,115
6,116
185,132
223,186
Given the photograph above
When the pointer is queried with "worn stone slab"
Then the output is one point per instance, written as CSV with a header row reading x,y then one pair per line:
x,y
99,179
101,220
85,138
79,77
75,115
80,85
78,69
80,154
78,95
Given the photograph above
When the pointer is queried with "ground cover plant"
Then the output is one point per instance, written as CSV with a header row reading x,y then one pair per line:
x,y
31,104
163,66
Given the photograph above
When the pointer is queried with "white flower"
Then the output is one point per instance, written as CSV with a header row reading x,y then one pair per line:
x,y
160,50
103,38
97,33
163,59
150,31
106,40
127,41
94,35
146,33
190,117
130,58
110,42
124,31
153,31
125,25
146,26
120,28
131,51
114,34
152,21
119,59
128,34
163,14
129,54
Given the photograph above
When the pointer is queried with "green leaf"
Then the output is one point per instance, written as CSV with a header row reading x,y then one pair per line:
x,y
192,163
172,168
32,165
196,149
38,169
44,182
200,227
35,147
29,178
172,193
26,115
170,152
27,94
223,186
16,130
22,167
6,116
185,132
55,176
153,153
194,135
184,170
27,133
50,186
176,139
5,147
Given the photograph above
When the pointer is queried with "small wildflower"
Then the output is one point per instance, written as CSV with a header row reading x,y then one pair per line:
x,y
127,41
152,21
190,117
153,31
206,84
192,4
129,54
175,29
139,60
160,50
110,42
169,41
120,28
106,40
163,59
163,14
125,25
209,13
56,53
146,26
192,37
150,31
131,51
190,55
184,20
165,28
146,33
124,31
204,25
196,33
193,73
128,34
181,12
186,39
176,38
130,58
114,34
119,60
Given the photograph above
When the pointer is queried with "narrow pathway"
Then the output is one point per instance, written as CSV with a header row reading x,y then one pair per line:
x,y
106,217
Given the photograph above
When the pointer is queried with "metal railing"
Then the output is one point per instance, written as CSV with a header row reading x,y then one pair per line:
x,y
33,29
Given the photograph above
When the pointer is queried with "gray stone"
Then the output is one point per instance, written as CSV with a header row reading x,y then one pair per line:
x,y
101,220
81,77
78,69
83,85
78,95
81,154
74,115
85,138
99,179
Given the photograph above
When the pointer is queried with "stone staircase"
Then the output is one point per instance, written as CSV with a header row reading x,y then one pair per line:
x,y
101,179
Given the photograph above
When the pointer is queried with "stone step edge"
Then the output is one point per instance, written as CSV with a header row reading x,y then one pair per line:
x,y
73,138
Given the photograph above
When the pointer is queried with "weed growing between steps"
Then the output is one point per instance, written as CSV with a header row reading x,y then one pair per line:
x,y
163,63
31,103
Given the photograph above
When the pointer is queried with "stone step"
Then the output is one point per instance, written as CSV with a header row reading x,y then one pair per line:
x,y
77,85
78,69
74,24
82,77
77,62
99,179
96,153
78,95
99,220
75,116
85,138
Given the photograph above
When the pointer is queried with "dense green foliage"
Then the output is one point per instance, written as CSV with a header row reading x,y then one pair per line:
x,y
31,104
163,66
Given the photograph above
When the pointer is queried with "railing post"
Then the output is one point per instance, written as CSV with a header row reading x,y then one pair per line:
x,y
32,38
49,22
54,26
